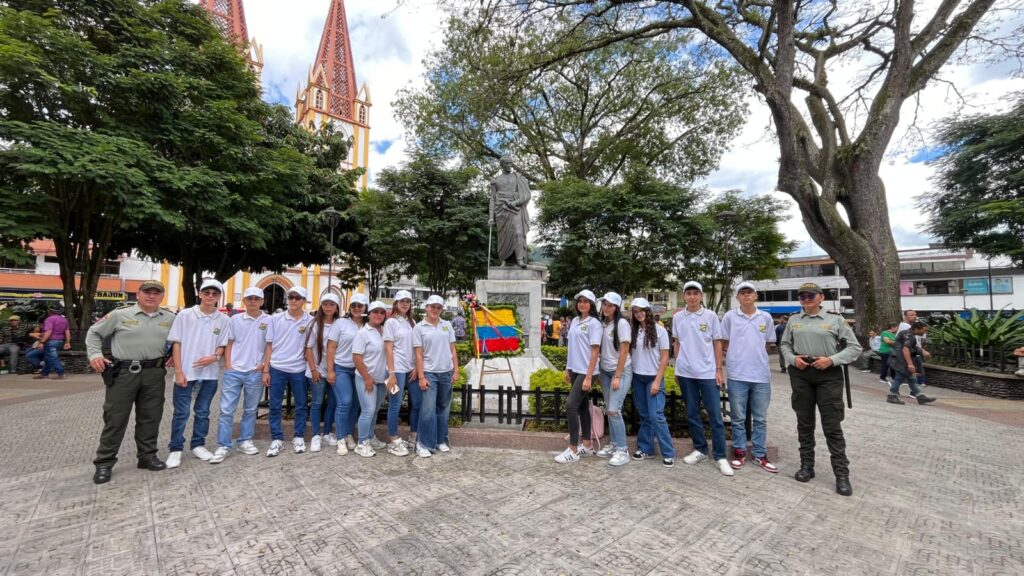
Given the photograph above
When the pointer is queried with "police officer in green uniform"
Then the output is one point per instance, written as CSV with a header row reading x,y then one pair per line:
x,y
134,376
811,343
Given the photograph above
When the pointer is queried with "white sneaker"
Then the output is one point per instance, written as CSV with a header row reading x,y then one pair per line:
x,y
220,455
397,448
331,439
443,447
275,448
619,458
724,467
582,451
422,451
202,453
365,450
174,459
248,448
696,457
298,445
314,444
607,451
566,457
342,448
376,444
350,442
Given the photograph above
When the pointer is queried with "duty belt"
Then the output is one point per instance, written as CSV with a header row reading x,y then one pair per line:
x,y
136,366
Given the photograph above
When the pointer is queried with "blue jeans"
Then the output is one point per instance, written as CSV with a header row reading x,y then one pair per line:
x,y
279,379
415,401
234,385
651,409
756,396
898,378
613,400
369,404
883,374
435,405
46,358
346,411
695,392
204,391
395,404
316,411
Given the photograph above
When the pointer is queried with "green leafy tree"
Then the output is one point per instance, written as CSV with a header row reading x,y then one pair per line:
x,y
980,198
656,102
832,137
377,256
627,237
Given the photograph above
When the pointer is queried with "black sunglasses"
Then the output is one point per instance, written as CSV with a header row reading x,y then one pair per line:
x,y
806,296
294,297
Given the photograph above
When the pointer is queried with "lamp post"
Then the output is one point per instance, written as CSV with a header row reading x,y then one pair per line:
x,y
727,218
332,217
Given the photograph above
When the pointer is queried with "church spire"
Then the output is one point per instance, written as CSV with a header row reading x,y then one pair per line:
x,y
335,56
229,16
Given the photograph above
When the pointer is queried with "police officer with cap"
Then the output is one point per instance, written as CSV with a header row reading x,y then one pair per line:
x,y
813,343
134,376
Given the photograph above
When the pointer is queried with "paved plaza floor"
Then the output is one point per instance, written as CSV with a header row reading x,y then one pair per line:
x,y
937,490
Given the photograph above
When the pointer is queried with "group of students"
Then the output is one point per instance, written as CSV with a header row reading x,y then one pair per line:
x,y
355,359
630,351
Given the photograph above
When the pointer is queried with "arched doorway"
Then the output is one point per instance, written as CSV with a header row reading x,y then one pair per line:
x,y
274,298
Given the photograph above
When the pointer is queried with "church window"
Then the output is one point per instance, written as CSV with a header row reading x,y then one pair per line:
x,y
318,100
362,114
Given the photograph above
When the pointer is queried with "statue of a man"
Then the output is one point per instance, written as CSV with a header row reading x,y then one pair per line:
x,y
510,194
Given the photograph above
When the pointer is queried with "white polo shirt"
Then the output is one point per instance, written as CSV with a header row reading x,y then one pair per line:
x,y
609,354
696,333
747,356
583,335
399,333
343,332
436,342
318,355
647,360
199,335
248,337
370,344
287,337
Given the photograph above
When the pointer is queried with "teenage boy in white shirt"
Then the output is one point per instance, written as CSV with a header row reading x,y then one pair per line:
x,y
243,375
199,336
286,365
698,346
747,334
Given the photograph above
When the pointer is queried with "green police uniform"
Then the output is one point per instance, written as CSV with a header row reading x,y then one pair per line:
x,y
818,335
136,336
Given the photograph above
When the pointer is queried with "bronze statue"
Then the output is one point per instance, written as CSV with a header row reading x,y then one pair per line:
x,y
510,194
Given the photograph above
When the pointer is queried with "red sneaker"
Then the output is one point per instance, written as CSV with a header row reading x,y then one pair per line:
x,y
765,464
737,459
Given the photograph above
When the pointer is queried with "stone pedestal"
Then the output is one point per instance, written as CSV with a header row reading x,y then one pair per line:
x,y
522,287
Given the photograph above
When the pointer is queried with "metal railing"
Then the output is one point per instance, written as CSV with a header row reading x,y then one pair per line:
x,y
988,358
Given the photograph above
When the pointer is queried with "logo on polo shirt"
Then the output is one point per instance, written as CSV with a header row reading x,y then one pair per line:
x,y
762,328
444,328
216,331
166,324
263,326
584,328
703,327
130,322
302,329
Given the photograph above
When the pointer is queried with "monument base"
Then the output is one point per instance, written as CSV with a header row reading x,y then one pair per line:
x,y
523,287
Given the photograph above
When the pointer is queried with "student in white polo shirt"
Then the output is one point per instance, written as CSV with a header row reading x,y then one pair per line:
x,y
747,333
243,371
371,374
649,350
401,364
437,365
616,371
580,369
316,371
286,366
697,333
341,373
199,335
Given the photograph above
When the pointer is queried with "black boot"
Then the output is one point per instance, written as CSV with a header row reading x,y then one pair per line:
x,y
102,475
843,487
152,463
894,399
922,399
805,473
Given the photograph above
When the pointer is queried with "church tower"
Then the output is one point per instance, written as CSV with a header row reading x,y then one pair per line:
x,y
331,94
229,15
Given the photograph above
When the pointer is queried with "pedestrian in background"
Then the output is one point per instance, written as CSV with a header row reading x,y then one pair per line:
x,y
56,335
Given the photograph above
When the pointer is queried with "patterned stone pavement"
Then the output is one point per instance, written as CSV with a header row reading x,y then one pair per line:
x,y
938,490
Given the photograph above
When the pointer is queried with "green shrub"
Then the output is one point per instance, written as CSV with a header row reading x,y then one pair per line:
x,y
465,352
556,355
981,330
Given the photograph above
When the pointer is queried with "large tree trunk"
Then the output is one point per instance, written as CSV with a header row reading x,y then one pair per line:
x,y
190,277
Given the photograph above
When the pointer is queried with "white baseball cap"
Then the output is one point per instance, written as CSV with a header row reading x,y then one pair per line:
x,y
640,303
330,297
212,283
693,284
253,291
300,291
585,294
403,295
612,298
745,284
435,299
358,298
376,305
